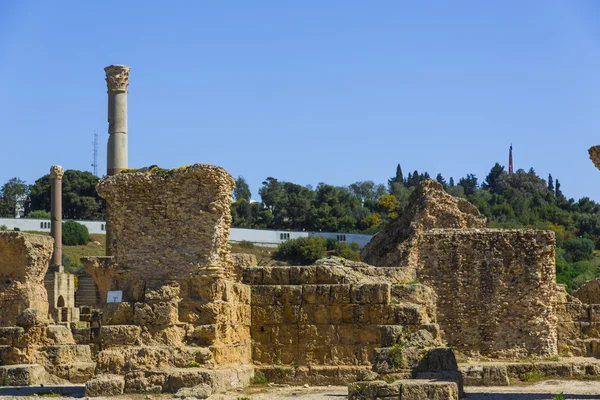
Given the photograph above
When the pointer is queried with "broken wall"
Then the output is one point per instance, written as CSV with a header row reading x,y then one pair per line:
x,y
496,289
23,265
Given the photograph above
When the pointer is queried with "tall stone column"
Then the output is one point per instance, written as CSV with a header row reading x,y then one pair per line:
x,y
56,175
117,82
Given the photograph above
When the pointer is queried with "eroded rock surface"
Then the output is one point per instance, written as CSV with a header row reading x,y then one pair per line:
x,y
429,207
23,264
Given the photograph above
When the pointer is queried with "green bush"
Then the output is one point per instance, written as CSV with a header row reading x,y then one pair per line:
x,y
302,250
331,244
346,251
355,246
38,214
16,229
3,228
74,234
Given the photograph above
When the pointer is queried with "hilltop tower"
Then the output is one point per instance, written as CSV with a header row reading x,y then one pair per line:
x,y
510,160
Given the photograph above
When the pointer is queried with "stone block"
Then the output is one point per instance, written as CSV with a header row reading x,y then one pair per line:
x,y
378,293
315,314
264,295
390,335
306,275
232,354
281,335
111,361
105,385
317,335
144,381
428,390
11,336
117,314
201,391
358,334
22,374
82,335
188,377
60,334
164,335
159,290
287,295
119,335
63,354
77,372
276,276
356,314
253,276
202,335
485,375
184,356
156,313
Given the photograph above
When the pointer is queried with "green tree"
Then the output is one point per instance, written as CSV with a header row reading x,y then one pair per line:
x,y
550,183
398,178
491,180
469,183
241,189
38,214
13,191
80,200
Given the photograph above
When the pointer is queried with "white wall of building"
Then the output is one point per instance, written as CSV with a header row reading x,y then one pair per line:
x,y
260,237
43,225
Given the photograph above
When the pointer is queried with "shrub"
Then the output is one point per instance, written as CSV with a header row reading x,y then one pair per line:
x,y
355,246
3,228
16,229
302,250
345,251
38,214
74,234
331,244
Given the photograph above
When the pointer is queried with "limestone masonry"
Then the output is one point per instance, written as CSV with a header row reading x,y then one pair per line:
x,y
23,264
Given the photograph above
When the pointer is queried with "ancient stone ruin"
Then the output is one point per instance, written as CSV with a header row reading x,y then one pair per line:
x,y
176,312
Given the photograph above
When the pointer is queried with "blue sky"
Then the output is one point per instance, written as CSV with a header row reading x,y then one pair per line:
x,y
308,92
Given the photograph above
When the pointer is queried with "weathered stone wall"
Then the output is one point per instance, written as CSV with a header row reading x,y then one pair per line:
x,y
429,207
23,265
171,258
589,293
302,317
496,289
169,225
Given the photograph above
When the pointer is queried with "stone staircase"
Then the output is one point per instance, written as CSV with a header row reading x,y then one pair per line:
x,y
87,292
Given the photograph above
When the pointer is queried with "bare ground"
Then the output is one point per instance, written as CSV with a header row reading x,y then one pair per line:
x,y
546,390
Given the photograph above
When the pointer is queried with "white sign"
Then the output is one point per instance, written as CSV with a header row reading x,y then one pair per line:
x,y
114,296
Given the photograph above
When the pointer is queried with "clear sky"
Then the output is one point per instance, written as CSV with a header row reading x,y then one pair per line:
x,y
307,91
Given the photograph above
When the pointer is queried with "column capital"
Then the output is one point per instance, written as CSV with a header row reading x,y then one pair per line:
x,y
117,78
56,171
